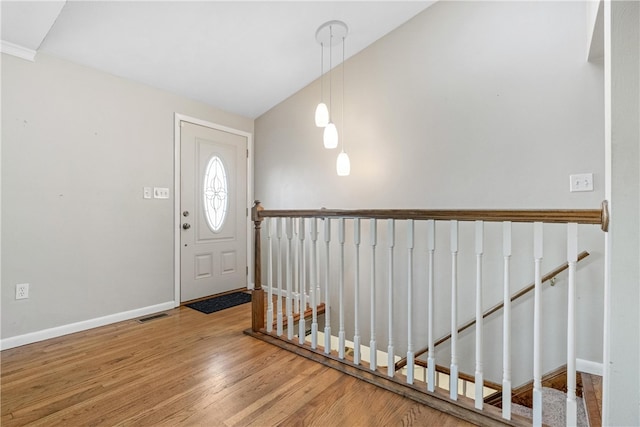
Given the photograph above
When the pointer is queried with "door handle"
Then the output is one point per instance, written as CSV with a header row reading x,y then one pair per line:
x,y
186,226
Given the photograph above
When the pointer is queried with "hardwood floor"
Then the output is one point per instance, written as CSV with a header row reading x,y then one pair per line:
x,y
190,369
593,398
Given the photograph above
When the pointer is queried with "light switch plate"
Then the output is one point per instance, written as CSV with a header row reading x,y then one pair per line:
x,y
146,192
160,193
581,182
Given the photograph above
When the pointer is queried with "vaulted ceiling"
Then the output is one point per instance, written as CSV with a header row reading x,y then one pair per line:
x,y
240,56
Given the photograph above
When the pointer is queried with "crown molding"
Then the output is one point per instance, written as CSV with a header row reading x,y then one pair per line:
x,y
17,50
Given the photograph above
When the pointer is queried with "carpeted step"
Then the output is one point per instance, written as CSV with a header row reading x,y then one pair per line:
x,y
554,409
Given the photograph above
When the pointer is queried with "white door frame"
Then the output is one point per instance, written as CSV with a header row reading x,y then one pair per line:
x,y
176,196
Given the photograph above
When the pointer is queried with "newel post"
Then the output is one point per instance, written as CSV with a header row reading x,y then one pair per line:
x,y
257,295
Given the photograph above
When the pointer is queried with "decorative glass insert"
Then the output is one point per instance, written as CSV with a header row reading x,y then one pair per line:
x,y
216,194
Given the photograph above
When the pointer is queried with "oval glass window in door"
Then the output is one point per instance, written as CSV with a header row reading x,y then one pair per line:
x,y
215,193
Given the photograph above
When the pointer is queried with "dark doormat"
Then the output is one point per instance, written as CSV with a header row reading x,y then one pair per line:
x,y
221,302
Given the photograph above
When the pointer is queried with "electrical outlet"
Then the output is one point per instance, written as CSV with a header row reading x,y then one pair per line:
x,y
22,290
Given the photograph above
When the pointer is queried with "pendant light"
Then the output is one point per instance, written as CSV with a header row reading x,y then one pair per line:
x,y
330,33
343,164
330,136
322,112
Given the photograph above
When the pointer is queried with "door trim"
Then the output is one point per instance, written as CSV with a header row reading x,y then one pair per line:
x,y
176,195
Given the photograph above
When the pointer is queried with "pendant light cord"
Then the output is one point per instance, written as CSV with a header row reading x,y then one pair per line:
x,y
330,70
321,72
343,126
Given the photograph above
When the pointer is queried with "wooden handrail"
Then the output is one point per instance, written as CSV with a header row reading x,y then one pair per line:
x,y
403,362
579,216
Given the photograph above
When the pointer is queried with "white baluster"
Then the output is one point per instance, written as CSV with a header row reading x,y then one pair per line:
x,y
410,355
269,277
318,286
289,232
431,358
506,325
327,297
356,304
479,377
296,267
572,259
279,325
391,363
453,376
341,336
313,278
537,321
372,343
302,323
304,279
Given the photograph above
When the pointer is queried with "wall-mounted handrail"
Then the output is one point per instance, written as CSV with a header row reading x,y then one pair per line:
x,y
553,273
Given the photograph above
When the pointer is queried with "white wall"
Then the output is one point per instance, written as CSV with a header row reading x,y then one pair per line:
x,y
621,386
468,105
78,146
466,94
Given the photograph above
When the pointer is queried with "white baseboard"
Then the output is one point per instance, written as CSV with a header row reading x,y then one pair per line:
x,y
594,368
71,328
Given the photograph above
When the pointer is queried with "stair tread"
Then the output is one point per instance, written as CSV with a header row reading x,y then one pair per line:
x,y
307,315
554,408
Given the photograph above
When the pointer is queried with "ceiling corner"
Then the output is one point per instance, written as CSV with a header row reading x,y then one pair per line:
x,y
25,24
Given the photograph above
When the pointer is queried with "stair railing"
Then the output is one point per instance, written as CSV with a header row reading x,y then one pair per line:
x,y
547,277
311,292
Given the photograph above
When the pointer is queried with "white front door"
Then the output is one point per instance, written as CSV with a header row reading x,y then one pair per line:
x,y
213,194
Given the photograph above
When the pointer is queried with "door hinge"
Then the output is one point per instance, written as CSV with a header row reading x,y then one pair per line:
x,y
247,270
247,153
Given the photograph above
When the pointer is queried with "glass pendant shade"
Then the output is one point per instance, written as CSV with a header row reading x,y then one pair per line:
x,y
330,136
343,165
322,115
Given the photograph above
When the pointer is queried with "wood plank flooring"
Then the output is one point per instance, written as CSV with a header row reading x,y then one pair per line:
x,y
593,398
188,369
